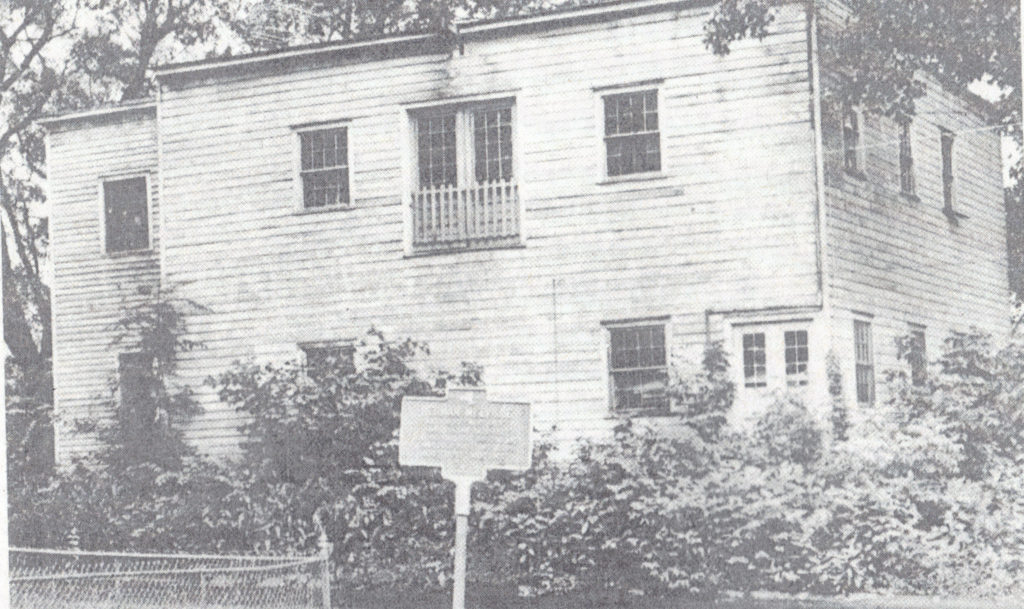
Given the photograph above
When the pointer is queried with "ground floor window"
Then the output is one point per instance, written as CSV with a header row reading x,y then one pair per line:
x,y
772,355
328,356
865,362
638,367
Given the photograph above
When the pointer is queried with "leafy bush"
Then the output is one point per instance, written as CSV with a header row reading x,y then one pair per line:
x,y
926,494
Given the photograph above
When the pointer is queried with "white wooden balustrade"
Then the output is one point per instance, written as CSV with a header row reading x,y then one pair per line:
x,y
450,217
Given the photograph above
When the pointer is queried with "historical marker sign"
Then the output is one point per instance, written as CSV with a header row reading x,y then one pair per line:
x,y
464,435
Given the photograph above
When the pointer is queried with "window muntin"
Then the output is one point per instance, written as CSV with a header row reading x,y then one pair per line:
x,y
851,140
907,185
865,362
755,367
126,215
436,149
492,144
946,141
324,168
796,357
638,368
631,134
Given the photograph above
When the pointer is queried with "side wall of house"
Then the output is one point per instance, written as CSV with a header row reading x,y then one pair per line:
x,y
900,262
90,287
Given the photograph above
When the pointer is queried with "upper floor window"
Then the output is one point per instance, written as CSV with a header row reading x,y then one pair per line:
x,y
324,158
631,135
126,214
465,194
946,142
851,140
797,357
754,360
907,185
638,367
463,145
865,362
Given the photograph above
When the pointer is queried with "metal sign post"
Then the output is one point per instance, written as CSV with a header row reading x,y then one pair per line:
x,y
464,435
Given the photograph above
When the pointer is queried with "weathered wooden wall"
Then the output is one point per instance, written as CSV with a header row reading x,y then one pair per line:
x,y
730,224
895,260
90,288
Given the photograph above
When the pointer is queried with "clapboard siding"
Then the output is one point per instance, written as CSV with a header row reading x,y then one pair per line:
x,y
90,287
729,225
896,261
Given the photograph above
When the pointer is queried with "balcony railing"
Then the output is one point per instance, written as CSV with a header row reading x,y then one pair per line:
x,y
465,217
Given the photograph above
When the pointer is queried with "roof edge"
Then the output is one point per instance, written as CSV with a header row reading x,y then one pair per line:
x,y
54,121
482,27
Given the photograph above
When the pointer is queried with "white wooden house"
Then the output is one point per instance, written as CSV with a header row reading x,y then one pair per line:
x,y
570,200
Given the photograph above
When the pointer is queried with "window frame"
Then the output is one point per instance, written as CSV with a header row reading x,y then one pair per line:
x,y
119,359
918,376
796,380
609,327
345,346
755,383
868,364
297,171
465,141
600,94
118,177
774,329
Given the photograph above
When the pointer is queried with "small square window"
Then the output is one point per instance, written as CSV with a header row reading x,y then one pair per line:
x,y
324,161
631,134
754,360
126,215
638,368
797,356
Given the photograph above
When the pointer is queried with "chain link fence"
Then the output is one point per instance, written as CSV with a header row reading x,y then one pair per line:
x,y
72,579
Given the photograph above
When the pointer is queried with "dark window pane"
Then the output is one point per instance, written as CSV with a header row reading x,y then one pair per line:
x,y
864,356
754,360
633,144
135,391
325,188
492,141
918,357
329,358
851,140
126,215
638,367
947,169
906,160
436,150
325,168
797,356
